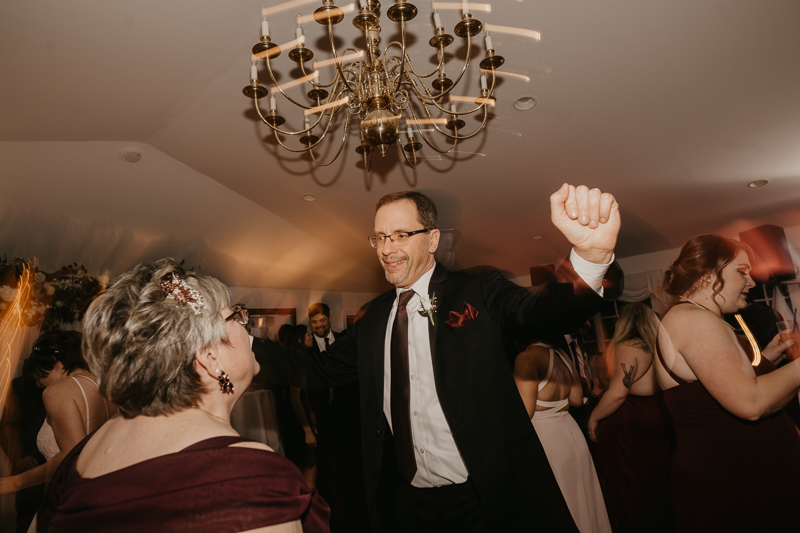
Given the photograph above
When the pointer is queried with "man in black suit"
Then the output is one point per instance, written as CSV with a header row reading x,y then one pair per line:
x,y
340,477
319,317
447,443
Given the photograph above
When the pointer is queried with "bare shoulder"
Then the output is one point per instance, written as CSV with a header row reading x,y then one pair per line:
x,y
532,361
59,392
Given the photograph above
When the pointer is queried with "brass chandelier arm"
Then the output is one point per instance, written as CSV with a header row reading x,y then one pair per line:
x,y
278,86
434,100
338,63
341,145
425,138
310,146
300,132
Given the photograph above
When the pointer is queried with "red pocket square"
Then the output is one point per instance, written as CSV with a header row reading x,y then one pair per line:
x,y
457,320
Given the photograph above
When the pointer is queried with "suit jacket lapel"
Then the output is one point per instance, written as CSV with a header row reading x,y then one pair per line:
x,y
437,287
383,307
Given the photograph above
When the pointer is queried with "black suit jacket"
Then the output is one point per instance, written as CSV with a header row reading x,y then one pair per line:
x,y
475,386
315,348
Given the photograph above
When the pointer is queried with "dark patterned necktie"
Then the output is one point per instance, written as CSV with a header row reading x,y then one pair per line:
x,y
327,342
401,391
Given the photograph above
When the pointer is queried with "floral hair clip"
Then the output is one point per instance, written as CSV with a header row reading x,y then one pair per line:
x,y
177,289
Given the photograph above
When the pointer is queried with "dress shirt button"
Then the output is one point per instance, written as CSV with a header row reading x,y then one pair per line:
x,y
413,376
416,413
378,432
422,450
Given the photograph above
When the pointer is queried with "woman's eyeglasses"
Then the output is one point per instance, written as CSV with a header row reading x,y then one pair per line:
x,y
239,314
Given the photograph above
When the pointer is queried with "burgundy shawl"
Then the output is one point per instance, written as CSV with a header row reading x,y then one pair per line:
x,y
206,487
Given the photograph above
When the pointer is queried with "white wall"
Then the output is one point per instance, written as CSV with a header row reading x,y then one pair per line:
x,y
341,303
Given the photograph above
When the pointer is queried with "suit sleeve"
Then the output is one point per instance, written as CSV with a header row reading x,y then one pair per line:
x,y
281,365
558,306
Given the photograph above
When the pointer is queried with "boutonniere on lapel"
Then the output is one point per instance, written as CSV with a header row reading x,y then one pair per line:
x,y
458,320
428,307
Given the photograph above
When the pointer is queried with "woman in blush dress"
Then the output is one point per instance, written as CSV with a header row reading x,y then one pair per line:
x,y
737,461
71,400
634,434
549,384
175,356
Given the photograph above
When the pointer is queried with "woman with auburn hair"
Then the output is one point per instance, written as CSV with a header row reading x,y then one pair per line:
x,y
632,429
175,356
737,462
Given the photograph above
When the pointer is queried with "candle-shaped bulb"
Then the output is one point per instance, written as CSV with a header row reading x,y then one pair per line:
x,y
316,77
306,124
452,106
465,7
484,85
253,68
272,105
488,41
437,20
264,22
299,30
409,132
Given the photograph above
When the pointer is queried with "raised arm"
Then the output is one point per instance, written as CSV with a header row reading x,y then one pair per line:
x,y
711,351
589,219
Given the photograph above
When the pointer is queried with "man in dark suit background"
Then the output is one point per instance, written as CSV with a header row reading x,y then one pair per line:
x,y
447,443
319,319
340,477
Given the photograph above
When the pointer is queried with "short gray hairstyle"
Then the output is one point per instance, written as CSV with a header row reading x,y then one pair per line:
x,y
141,344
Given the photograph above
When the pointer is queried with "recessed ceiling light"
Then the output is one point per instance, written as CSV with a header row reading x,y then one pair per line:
x,y
309,198
526,102
758,183
537,237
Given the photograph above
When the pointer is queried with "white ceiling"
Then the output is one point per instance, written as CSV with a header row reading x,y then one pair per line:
x,y
672,105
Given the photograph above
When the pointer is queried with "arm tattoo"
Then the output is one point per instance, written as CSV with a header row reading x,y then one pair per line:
x,y
627,379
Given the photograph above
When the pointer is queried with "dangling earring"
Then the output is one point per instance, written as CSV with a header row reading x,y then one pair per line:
x,y
225,384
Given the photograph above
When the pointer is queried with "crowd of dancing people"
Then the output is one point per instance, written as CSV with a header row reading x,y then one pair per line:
x,y
418,417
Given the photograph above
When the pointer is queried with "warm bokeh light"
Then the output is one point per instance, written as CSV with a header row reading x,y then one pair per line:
x,y
507,75
11,327
268,11
750,339
417,122
473,100
486,8
325,107
293,83
343,59
274,51
313,17
522,32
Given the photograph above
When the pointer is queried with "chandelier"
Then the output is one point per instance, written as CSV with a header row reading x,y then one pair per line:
x,y
380,88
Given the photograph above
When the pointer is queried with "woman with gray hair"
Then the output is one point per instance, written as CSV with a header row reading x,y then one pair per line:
x,y
175,357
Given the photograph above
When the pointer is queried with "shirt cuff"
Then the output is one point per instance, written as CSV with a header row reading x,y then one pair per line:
x,y
591,273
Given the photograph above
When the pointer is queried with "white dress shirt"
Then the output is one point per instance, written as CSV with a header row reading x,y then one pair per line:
x,y
438,460
321,340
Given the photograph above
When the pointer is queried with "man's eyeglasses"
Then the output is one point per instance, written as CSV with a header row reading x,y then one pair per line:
x,y
398,239
239,314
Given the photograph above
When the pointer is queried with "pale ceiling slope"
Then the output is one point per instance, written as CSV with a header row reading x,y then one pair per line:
x,y
672,105
82,202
